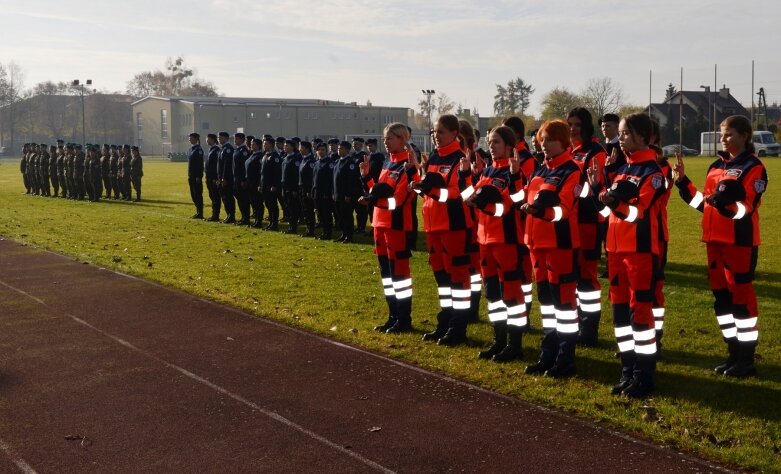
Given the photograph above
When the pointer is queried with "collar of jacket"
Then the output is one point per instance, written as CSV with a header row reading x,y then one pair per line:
x,y
727,158
453,147
399,157
559,160
640,156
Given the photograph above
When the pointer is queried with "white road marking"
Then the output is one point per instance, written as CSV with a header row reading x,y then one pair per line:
x,y
16,459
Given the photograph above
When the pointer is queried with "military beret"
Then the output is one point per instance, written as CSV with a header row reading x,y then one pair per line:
x,y
280,140
333,141
317,140
545,198
135,148
78,146
60,141
212,136
728,191
359,140
268,138
125,146
346,144
240,135
290,142
52,147
113,146
196,135
105,145
250,138
371,141
296,139
321,145
224,134
256,141
32,144
306,144
624,191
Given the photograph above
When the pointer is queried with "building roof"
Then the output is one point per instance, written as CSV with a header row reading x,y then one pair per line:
x,y
259,101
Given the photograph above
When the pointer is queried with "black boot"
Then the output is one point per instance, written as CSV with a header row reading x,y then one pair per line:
x,y
443,322
391,301
456,331
513,350
565,360
500,341
403,317
732,358
642,377
744,367
548,350
627,370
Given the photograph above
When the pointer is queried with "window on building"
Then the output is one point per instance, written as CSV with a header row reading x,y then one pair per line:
x,y
205,126
252,115
287,115
164,124
139,127
235,119
314,116
355,115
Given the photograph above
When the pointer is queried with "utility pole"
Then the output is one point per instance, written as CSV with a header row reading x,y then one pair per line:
x,y
429,93
76,82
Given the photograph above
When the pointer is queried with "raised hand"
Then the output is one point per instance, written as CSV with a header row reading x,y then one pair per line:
x,y
515,162
364,165
678,168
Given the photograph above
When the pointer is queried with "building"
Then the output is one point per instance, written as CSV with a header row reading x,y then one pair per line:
x,y
696,109
162,125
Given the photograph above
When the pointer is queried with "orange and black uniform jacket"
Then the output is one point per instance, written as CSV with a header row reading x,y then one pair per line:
x,y
443,207
392,201
633,226
556,227
738,223
584,155
500,222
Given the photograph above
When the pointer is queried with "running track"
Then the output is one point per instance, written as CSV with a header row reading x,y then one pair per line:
x,y
102,372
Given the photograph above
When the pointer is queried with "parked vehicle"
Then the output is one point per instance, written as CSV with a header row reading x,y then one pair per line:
x,y
670,150
764,143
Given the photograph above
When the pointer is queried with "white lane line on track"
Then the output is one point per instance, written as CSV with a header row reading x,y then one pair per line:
x,y
16,459
271,414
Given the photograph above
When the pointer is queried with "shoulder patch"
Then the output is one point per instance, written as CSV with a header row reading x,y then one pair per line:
x,y
657,181
394,175
444,169
634,180
554,180
760,185
499,183
352,166
733,172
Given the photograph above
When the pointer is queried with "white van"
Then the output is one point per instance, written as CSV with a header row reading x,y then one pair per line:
x,y
764,144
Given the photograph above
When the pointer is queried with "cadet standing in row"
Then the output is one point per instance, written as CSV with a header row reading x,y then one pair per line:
x,y
195,174
212,178
136,171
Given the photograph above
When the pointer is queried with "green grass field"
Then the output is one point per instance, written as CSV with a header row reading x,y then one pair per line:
x,y
334,290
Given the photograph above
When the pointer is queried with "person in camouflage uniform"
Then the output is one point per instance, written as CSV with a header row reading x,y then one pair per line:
x,y
69,185
44,171
114,170
87,176
78,172
105,169
23,168
136,171
53,170
124,171
32,169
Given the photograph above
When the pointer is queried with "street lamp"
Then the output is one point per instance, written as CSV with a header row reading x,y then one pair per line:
x,y
76,82
429,93
710,128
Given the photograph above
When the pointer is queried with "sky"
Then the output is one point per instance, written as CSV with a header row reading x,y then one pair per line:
x,y
387,52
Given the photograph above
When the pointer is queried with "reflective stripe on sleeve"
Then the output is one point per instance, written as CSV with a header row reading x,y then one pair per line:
x,y
697,200
467,193
557,214
443,194
741,212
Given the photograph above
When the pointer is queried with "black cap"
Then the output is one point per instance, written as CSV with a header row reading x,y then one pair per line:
x,y
113,146
359,140
134,148
371,141
224,134
126,146
545,198
60,141
333,141
486,195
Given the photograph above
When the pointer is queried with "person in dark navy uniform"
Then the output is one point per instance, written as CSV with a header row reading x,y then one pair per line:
x,y
347,190
361,211
240,186
305,176
290,188
195,174
323,190
271,182
212,180
253,168
225,176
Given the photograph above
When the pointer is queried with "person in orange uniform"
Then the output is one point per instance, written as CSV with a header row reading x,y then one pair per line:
x,y
730,201
664,236
633,249
528,165
500,236
448,224
553,240
588,153
469,136
392,224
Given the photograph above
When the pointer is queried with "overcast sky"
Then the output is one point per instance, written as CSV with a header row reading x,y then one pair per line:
x,y
388,51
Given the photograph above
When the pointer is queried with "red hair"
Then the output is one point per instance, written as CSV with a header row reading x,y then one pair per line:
x,y
557,130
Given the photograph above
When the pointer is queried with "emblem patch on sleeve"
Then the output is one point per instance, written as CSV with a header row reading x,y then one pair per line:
x,y
657,181
760,185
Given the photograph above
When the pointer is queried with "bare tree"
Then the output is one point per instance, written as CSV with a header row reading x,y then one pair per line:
x,y
11,90
177,80
602,95
440,105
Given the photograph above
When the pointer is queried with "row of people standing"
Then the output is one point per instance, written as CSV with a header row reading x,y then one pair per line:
x,y
313,183
579,197
71,171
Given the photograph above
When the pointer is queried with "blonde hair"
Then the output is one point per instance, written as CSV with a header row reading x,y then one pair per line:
x,y
398,129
